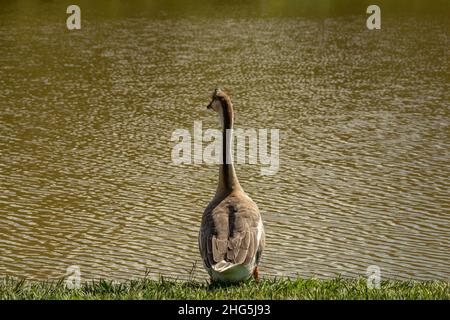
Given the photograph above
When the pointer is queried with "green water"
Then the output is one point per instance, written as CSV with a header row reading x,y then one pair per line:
x,y
86,118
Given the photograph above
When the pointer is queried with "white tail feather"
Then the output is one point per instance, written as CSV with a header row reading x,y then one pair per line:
x,y
223,266
230,272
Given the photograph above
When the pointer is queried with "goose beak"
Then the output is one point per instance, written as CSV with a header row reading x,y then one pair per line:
x,y
209,106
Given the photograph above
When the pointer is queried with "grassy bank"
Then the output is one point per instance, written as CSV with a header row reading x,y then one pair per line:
x,y
265,289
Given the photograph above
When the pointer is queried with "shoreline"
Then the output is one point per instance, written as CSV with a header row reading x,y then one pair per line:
x,y
266,289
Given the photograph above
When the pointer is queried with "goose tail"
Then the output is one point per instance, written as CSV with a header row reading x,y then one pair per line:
x,y
223,266
230,272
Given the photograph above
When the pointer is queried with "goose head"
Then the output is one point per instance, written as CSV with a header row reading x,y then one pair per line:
x,y
221,103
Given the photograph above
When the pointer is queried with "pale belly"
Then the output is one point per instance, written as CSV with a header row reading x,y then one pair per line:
x,y
234,274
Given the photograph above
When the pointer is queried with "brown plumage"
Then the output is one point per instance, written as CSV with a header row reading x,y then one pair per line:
x,y
231,237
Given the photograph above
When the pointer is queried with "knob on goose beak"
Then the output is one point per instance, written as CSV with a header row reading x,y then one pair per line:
x,y
214,95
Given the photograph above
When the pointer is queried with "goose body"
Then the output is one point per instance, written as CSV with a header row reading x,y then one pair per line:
x,y
231,237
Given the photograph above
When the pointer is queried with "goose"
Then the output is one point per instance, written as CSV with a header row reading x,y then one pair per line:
x,y
231,237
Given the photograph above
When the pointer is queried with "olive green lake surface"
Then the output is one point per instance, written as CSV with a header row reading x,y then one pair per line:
x,y
87,116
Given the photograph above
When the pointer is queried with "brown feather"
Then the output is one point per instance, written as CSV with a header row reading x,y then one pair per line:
x,y
240,245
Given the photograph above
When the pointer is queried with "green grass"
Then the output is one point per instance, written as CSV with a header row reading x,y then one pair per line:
x,y
265,289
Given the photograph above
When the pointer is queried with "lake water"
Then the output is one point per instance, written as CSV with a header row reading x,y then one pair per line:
x,y
86,119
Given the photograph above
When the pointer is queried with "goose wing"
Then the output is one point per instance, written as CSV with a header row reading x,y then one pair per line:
x,y
231,232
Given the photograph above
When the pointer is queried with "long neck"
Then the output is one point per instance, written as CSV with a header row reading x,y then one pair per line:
x,y
227,176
